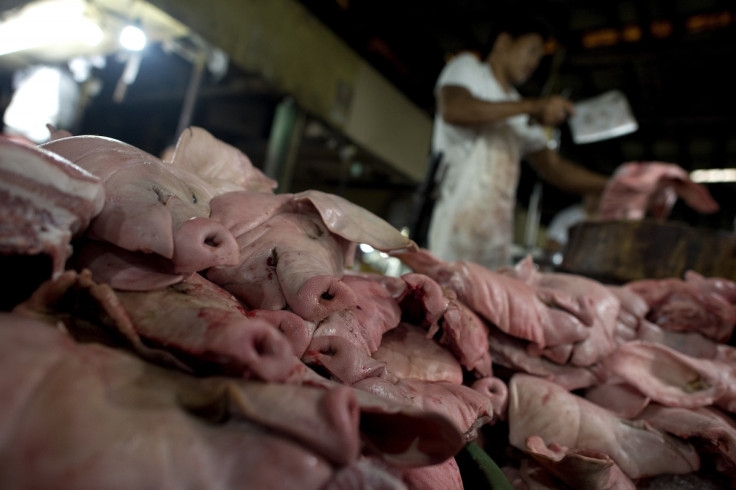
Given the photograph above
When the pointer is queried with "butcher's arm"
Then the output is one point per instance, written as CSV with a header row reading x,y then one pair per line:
x,y
565,174
458,106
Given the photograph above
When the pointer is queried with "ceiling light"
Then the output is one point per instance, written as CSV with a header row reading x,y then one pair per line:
x,y
133,38
49,23
713,175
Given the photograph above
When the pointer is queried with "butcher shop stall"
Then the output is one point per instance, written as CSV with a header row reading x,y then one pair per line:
x,y
216,276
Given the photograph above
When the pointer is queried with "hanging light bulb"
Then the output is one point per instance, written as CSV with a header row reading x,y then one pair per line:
x,y
133,38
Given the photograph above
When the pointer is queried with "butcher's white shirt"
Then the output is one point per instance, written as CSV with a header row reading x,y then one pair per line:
x,y
467,71
473,217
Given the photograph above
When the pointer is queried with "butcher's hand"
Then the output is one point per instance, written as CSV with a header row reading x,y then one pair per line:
x,y
551,111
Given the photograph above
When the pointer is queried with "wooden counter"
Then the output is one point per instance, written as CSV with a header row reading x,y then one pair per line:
x,y
621,251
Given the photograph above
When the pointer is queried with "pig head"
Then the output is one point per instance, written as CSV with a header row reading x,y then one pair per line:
x,y
295,247
637,189
151,207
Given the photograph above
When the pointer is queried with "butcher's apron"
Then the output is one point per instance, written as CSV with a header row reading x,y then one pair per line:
x,y
473,218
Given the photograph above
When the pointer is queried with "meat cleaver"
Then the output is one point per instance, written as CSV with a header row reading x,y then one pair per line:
x,y
602,117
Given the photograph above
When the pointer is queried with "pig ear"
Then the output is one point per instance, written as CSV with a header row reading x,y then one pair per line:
x,y
222,165
525,269
57,134
354,223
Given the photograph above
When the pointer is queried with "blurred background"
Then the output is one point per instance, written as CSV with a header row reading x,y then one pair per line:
x,y
337,95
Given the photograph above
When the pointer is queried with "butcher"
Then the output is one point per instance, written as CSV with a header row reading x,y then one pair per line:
x,y
483,128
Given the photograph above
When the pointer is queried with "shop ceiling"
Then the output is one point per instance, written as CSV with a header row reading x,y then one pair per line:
x,y
220,103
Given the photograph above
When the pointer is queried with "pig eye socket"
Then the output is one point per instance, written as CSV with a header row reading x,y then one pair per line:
x,y
316,232
162,196
194,198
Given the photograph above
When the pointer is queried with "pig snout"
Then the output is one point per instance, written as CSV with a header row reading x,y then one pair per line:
x,y
320,296
343,360
296,330
497,391
263,352
201,243
342,413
